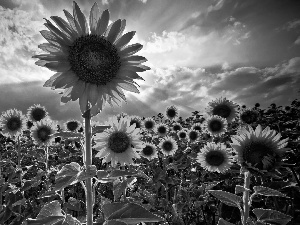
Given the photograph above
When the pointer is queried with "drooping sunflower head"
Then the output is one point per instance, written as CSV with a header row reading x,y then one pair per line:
x,y
72,125
215,157
193,135
172,112
37,112
177,127
182,134
93,62
215,125
223,108
259,150
248,116
120,143
136,121
149,151
42,132
168,146
161,129
149,123
12,122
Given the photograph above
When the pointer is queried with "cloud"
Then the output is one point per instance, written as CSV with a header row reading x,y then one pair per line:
x,y
216,7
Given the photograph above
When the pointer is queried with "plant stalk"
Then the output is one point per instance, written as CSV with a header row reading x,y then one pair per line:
x,y
246,197
88,162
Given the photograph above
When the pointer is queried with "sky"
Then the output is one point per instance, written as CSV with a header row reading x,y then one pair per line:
x,y
198,51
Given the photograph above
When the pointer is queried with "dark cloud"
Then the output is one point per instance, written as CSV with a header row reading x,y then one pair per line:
x,y
10,4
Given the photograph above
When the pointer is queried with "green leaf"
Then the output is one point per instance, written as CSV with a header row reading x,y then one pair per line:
x,y
271,216
118,189
74,204
224,222
132,213
268,191
114,222
99,129
5,214
121,173
51,220
210,185
110,208
67,134
240,189
50,209
227,198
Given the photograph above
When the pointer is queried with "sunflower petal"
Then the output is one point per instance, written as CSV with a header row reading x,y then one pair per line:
x,y
83,101
63,25
114,31
80,20
139,68
71,22
52,39
56,32
50,57
93,94
131,49
50,48
129,87
125,39
41,62
135,58
94,17
102,23
58,66
50,81
67,77
78,90
65,99
123,25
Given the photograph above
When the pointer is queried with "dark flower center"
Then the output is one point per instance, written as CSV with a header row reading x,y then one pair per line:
x,y
176,127
248,117
215,125
182,135
162,130
149,124
171,113
136,122
222,110
14,123
215,158
38,114
148,150
118,142
197,128
94,59
72,125
167,146
257,152
43,134
193,135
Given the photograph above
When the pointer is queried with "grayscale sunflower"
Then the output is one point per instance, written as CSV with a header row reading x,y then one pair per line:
x,y
137,121
161,129
42,132
149,151
149,123
224,108
37,112
193,135
248,116
94,62
215,157
197,126
177,127
72,125
172,112
215,125
259,151
182,134
12,122
120,143
168,146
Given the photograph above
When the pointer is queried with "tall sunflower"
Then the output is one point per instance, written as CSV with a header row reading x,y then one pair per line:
x,y
161,129
248,116
42,132
224,108
259,151
137,121
193,135
149,123
120,143
12,122
215,125
37,112
168,146
172,112
149,151
92,62
215,157
72,125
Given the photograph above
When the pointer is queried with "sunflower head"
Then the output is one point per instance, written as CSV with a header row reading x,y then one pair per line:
x,y
149,123
248,116
177,127
72,125
94,62
259,150
12,122
137,121
161,129
223,108
37,112
42,132
197,127
182,134
193,135
149,151
120,143
172,112
168,146
215,125
215,157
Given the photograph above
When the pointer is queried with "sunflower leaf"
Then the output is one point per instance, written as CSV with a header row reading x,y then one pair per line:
x,y
260,190
224,222
227,197
271,216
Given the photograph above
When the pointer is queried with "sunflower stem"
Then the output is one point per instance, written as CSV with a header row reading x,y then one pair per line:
x,y
46,165
19,168
88,162
295,175
246,197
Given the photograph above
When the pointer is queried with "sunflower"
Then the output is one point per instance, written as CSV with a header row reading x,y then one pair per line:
x,y
42,132
136,120
72,125
215,125
182,134
197,127
92,62
161,129
177,127
119,143
172,112
193,135
224,108
168,146
215,157
259,151
149,151
37,112
122,114
149,123
248,116
12,122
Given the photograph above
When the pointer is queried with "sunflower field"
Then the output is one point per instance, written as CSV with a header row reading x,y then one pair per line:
x,y
228,165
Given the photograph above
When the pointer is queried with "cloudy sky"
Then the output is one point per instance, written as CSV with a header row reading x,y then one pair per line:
x,y
198,50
